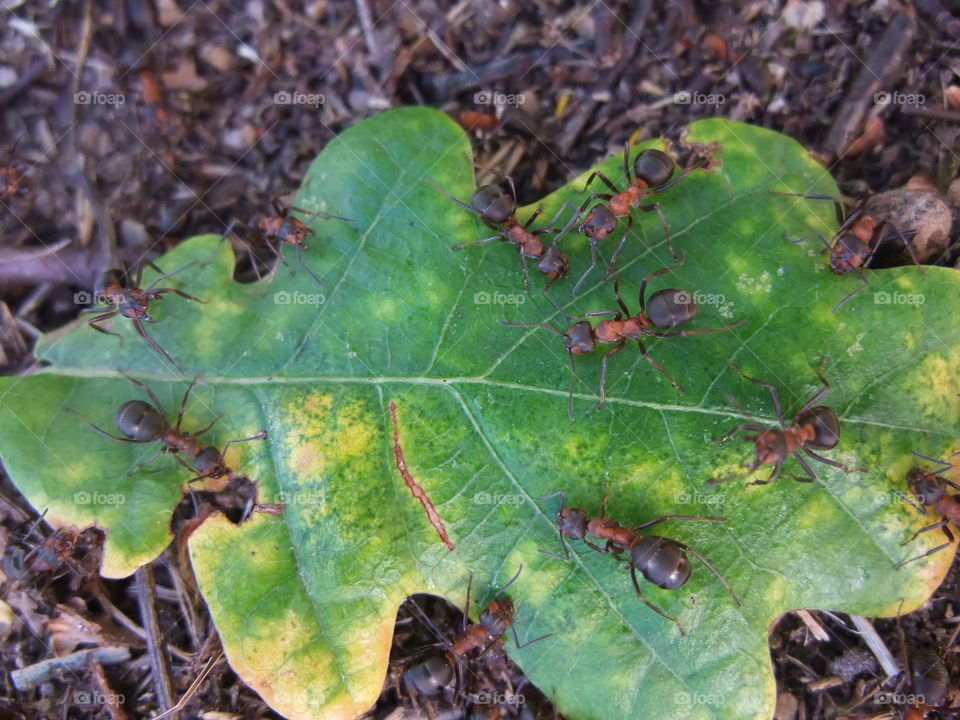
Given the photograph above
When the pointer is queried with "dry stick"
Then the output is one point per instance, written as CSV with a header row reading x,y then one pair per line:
x,y
190,690
155,647
38,673
889,663
415,489
813,626
112,701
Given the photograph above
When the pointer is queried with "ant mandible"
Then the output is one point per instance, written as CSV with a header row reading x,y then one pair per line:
x,y
930,490
498,211
142,423
855,243
132,302
438,670
815,426
290,230
663,310
663,561
652,172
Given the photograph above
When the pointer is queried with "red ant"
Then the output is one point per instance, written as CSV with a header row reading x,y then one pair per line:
x,y
813,427
930,490
499,212
663,310
929,683
141,423
131,301
56,552
662,561
853,246
435,673
652,172
292,231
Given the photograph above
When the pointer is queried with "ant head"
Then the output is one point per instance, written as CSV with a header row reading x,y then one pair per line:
x,y
669,308
826,426
925,486
493,204
578,339
771,447
431,676
208,461
292,231
497,616
139,421
849,252
662,562
653,167
572,523
553,263
599,222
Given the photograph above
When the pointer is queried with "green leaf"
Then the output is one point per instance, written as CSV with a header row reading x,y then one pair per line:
x,y
305,602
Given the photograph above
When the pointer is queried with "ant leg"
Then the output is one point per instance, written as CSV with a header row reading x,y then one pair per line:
x,y
663,225
537,325
533,216
478,242
147,461
819,396
156,401
566,553
309,272
711,568
929,552
262,434
573,383
659,368
100,318
516,639
593,264
512,580
163,276
214,422
811,475
101,431
603,371
773,393
183,402
620,302
523,265
138,326
626,162
616,253
466,607
603,502
798,240
773,475
636,587
646,279
691,518
318,213
942,525
838,206
603,178
942,466
828,461
705,331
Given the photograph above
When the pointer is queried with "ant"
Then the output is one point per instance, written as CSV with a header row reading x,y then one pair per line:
x,y
498,211
652,173
663,310
141,423
131,301
813,427
435,673
292,231
662,561
930,490
58,551
855,243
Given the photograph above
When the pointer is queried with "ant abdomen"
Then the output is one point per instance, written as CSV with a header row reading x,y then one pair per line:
x,y
662,562
931,681
826,426
139,421
431,676
653,167
493,204
670,308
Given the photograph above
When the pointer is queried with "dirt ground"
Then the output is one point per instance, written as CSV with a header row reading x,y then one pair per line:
x,y
130,126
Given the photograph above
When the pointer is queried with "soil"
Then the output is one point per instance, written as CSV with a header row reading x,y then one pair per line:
x,y
129,126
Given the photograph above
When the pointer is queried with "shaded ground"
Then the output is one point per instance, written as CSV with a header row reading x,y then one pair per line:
x,y
202,139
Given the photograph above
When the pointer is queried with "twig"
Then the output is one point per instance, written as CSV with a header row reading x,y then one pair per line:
x,y
38,673
155,646
192,689
889,663
813,626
